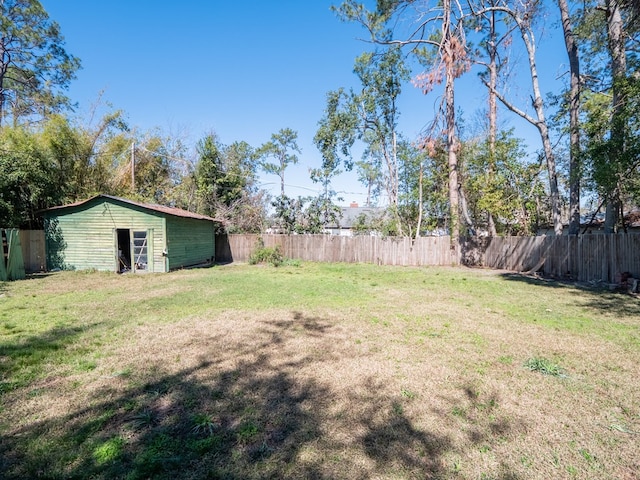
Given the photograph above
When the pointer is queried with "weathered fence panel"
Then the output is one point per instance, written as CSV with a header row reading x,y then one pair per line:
x,y
33,250
11,261
333,248
32,246
583,258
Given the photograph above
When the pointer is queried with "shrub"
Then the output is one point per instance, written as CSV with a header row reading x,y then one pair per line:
x,y
262,254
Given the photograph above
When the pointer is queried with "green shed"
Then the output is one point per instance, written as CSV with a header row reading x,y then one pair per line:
x,y
119,235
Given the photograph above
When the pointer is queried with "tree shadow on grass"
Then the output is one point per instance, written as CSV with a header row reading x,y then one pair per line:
x,y
246,417
617,303
23,359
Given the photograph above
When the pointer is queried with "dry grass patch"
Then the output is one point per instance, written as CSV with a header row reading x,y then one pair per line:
x,y
320,371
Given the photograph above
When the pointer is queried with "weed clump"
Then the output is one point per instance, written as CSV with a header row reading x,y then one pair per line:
x,y
544,366
262,254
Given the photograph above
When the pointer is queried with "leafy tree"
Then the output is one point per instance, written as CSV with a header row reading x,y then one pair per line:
x,y
334,139
370,116
34,67
422,181
508,191
83,167
381,76
282,148
369,175
318,214
436,38
424,187
153,174
59,163
226,185
609,31
27,178
288,214
487,22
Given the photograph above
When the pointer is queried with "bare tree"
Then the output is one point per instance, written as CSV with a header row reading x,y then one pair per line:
x,y
436,38
523,18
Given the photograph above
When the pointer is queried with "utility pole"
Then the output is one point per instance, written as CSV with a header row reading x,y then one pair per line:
x,y
133,167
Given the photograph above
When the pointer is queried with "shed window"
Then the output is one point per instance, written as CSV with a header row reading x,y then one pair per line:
x,y
140,250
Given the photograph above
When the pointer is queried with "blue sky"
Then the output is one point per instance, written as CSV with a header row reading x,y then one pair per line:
x,y
242,69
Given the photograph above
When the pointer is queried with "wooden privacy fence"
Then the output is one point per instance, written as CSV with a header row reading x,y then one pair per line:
x,y
583,258
334,248
32,248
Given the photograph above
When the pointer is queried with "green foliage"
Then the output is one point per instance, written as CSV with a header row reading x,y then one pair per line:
x,y
305,214
225,180
382,224
414,164
609,103
320,213
247,431
407,394
217,182
143,419
57,164
282,147
502,183
288,213
34,67
270,255
204,425
336,134
27,178
613,143
152,170
544,366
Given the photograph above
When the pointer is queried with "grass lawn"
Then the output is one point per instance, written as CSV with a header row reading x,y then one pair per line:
x,y
317,371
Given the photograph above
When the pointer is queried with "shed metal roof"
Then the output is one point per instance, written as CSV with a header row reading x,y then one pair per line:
x,y
176,212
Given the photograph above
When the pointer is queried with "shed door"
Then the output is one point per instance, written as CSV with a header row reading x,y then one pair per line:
x,y
123,250
134,250
142,258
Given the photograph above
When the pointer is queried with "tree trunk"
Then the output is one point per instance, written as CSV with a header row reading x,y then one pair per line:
x,y
395,181
574,120
420,178
450,125
493,109
4,65
541,124
615,32
281,175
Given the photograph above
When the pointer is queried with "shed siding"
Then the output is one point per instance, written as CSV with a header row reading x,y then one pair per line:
x,y
189,241
87,238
